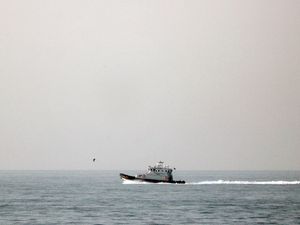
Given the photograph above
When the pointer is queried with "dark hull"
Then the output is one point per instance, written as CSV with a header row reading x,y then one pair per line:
x,y
128,177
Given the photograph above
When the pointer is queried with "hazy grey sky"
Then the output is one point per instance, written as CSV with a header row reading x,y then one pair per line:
x,y
198,84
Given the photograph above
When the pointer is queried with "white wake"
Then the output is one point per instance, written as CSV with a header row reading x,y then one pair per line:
x,y
279,182
240,182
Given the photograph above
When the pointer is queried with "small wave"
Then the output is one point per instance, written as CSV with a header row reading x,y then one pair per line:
x,y
4,205
280,182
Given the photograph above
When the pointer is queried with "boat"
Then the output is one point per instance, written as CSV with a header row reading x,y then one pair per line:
x,y
159,173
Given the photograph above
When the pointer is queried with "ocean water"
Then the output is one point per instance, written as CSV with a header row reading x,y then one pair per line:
x,y
100,197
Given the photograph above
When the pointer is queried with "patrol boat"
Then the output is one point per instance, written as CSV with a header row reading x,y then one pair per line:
x,y
155,174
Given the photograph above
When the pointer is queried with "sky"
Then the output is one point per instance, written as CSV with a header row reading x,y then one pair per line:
x,y
200,85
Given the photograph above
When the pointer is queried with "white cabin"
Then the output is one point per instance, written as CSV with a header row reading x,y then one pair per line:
x,y
158,172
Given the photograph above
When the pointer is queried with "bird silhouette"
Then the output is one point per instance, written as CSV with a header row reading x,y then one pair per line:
x,y
94,159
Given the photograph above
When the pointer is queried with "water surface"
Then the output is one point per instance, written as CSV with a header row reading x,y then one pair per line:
x,y
100,197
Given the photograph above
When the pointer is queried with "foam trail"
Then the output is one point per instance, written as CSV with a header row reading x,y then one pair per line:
x,y
279,182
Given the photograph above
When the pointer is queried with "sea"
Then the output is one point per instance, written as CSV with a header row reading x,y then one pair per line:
x,y
100,197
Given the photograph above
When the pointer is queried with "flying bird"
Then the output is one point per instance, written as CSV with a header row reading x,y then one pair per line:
x,y
94,159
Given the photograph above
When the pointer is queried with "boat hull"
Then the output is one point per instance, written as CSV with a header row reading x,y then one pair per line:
x,y
129,177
